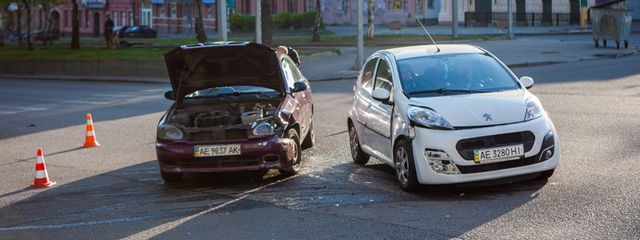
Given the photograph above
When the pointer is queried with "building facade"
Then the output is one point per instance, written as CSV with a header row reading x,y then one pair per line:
x,y
178,16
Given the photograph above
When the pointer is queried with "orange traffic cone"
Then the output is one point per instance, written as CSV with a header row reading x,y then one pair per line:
x,y
90,140
41,179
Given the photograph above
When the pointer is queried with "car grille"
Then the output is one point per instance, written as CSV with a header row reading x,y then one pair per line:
x,y
220,162
499,165
228,134
465,147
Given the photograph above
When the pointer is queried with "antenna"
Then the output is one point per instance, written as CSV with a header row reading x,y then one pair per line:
x,y
425,29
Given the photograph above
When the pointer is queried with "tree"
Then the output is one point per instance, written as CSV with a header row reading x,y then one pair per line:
x,y
266,22
316,24
200,34
46,7
29,17
75,26
370,15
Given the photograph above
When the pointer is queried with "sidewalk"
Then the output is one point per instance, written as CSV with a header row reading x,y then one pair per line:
x,y
561,44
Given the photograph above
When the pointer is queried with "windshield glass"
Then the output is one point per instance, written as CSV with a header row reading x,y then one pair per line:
x,y
232,90
453,74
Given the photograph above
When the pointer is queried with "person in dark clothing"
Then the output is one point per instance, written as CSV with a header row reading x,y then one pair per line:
x,y
108,29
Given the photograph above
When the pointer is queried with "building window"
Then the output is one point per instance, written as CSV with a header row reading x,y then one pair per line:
x,y
340,5
122,17
382,5
397,4
430,4
131,18
86,18
66,13
174,10
115,18
209,11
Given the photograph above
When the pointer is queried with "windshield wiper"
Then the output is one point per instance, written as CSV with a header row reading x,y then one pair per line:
x,y
444,91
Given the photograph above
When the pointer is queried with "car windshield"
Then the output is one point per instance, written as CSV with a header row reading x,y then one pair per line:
x,y
231,90
454,74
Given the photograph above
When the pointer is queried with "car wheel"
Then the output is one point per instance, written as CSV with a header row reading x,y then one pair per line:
x,y
357,154
171,176
310,139
546,174
405,166
297,154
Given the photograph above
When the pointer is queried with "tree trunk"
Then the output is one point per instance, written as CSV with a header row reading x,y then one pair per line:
x,y
29,45
266,22
75,27
200,34
20,24
316,24
370,17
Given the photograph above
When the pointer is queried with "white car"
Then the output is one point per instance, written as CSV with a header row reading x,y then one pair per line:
x,y
449,114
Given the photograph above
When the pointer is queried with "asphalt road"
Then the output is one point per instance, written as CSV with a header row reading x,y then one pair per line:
x,y
115,191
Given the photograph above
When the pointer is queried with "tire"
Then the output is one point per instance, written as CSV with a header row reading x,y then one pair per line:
x,y
405,166
604,43
171,176
546,174
310,139
596,42
297,155
617,44
357,154
626,44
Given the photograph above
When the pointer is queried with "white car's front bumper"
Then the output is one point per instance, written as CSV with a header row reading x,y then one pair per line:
x,y
466,170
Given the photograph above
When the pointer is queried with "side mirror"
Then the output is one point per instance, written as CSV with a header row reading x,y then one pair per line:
x,y
300,86
381,95
527,82
169,95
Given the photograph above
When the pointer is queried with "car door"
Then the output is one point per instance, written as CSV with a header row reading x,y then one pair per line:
x,y
362,99
304,99
379,113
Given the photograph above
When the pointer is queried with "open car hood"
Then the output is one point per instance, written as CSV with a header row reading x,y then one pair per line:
x,y
208,65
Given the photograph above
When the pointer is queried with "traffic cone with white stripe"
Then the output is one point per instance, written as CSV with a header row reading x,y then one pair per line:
x,y
90,140
41,179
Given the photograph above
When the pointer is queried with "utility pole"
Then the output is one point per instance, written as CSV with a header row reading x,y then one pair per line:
x,y
510,20
222,20
258,22
360,58
454,20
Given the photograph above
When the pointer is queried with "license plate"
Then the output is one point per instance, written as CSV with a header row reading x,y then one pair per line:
x,y
217,150
498,154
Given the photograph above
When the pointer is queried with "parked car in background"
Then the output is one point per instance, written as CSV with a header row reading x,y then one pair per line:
x,y
119,31
140,32
236,107
15,36
40,35
449,114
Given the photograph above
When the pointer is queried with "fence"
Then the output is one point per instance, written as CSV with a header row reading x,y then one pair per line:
x,y
526,19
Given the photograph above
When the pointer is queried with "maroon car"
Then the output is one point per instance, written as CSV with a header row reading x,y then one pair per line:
x,y
237,107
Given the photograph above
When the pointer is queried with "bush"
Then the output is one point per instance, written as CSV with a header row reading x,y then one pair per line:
x,y
242,23
282,20
308,19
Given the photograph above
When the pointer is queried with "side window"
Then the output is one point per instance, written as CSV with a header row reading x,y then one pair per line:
x,y
383,77
291,71
367,74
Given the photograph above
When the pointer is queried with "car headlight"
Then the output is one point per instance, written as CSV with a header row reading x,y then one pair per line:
x,y
263,129
169,132
534,110
428,118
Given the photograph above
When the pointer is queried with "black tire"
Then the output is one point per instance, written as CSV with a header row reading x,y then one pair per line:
x,y
297,161
626,44
310,140
171,176
545,174
604,43
358,156
617,44
404,166
596,42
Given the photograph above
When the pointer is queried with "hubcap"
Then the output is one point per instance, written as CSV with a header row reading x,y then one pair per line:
x,y
353,137
402,165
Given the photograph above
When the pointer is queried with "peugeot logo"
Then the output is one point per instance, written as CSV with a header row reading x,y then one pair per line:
x,y
487,117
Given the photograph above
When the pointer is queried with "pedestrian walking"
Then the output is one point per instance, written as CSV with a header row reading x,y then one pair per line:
x,y
108,29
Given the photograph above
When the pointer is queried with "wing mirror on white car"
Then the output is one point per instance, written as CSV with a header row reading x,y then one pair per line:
x,y
381,95
527,82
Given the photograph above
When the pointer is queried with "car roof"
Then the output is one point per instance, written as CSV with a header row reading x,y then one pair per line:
x,y
424,50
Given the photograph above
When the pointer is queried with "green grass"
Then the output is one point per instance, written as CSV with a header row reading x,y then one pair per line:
x,y
94,48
